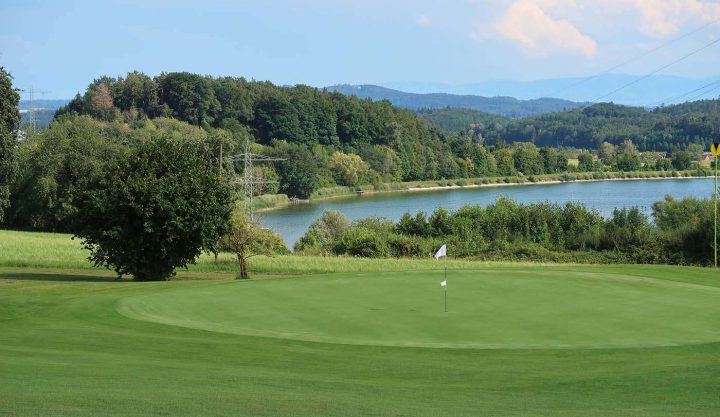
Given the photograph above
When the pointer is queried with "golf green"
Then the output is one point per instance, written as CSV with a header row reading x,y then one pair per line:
x,y
492,308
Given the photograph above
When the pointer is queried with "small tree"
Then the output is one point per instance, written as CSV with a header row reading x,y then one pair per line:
x,y
348,169
247,239
323,233
585,162
681,160
156,210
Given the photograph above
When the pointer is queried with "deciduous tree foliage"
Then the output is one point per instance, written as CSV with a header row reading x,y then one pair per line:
x,y
9,122
54,164
507,230
348,169
247,238
156,210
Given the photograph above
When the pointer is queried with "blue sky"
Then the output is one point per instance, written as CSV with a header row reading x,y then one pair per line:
x,y
61,46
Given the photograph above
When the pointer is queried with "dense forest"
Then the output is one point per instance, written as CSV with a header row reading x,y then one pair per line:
x,y
664,129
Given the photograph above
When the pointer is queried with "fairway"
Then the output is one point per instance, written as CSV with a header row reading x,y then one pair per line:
x,y
518,340
531,308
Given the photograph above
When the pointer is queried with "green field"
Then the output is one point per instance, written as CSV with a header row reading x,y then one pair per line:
x,y
517,340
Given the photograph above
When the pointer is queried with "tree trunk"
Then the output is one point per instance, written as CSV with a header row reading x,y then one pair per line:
x,y
243,267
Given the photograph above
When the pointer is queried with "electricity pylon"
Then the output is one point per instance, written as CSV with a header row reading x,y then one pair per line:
x,y
32,118
249,180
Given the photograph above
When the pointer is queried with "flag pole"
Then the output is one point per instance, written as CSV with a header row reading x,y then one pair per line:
x,y
446,283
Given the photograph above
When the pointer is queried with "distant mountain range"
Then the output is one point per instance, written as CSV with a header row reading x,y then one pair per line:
x,y
43,104
500,105
649,92
44,111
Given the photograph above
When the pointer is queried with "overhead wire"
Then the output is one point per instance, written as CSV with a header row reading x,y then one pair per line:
x,y
646,76
670,100
636,57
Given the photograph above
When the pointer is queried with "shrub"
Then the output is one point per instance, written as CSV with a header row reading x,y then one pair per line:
x,y
362,242
322,233
402,246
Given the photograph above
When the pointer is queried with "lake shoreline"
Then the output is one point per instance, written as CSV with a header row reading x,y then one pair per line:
x,y
418,189
549,182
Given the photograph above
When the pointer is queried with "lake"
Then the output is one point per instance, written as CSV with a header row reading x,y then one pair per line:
x,y
292,222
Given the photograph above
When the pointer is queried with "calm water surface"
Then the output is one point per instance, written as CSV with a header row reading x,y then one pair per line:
x,y
293,222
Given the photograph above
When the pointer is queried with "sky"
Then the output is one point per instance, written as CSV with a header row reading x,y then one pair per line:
x,y
61,46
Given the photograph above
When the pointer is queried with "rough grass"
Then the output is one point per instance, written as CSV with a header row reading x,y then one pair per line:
x,y
60,251
267,201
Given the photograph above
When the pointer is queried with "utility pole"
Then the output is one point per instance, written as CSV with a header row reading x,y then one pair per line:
x,y
249,179
715,150
32,118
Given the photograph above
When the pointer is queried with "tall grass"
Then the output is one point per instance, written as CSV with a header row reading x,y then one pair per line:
x,y
60,251
333,192
266,201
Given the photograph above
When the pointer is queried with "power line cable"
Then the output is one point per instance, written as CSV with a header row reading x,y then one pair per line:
x,y
646,76
636,57
703,93
670,100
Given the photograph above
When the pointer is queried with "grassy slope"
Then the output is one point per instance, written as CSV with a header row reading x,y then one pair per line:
x,y
66,350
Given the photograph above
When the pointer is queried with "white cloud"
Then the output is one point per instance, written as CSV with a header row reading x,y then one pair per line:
x,y
423,20
660,18
528,23
665,17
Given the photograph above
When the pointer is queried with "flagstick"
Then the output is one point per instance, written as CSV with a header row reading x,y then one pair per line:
x,y
446,283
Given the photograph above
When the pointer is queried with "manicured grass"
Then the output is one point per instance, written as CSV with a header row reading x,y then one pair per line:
x,y
518,340
561,308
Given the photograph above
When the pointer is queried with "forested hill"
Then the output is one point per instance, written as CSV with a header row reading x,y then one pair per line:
x,y
308,116
667,128
503,106
300,114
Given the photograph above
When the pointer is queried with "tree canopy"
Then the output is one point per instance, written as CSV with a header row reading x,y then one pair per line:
x,y
9,122
156,210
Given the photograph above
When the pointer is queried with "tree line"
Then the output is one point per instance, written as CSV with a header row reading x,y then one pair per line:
x,y
506,230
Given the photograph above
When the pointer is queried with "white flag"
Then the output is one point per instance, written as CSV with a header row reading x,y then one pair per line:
x,y
441,252
443,283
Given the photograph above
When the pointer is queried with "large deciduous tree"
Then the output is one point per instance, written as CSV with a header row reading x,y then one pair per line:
x,y
299,175
163,204
52,164
9,122
348,169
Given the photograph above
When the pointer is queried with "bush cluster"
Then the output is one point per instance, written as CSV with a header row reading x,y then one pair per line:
x,y
507,230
